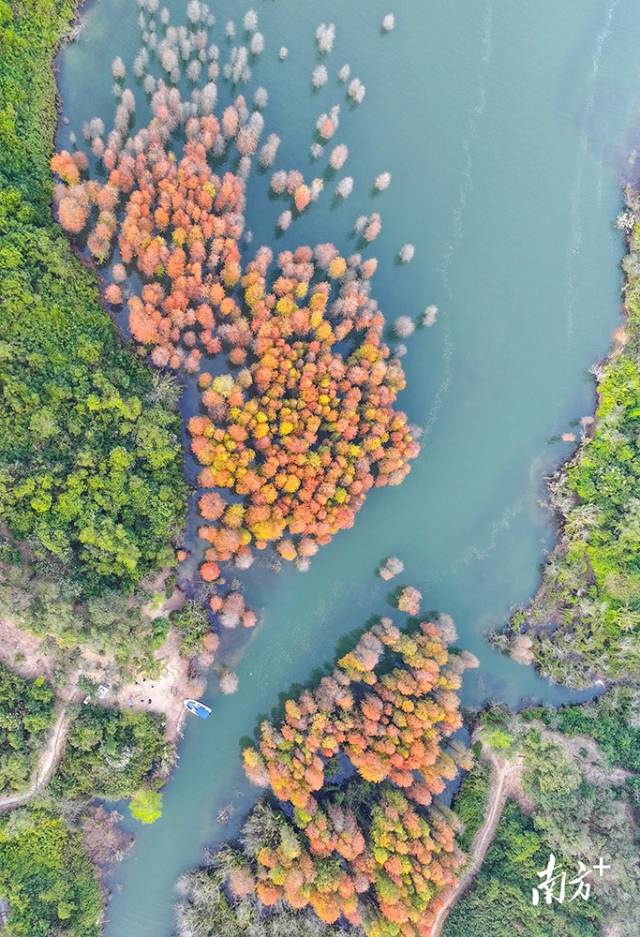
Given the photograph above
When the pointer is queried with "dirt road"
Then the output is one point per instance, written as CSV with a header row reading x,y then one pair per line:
x,y
504,781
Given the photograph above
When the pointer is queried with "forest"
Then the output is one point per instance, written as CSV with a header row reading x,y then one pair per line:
x,y
92,468
91,458
575,801
500,903
91,496
112,623
206,909
45,875
302,425
296,421
577,806
470,800
110,754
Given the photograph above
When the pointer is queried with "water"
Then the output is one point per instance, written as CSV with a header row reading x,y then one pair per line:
x,y
506,128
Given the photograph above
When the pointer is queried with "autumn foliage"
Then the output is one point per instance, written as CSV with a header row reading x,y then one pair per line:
x,y
302,431
384,715
301,424
296,420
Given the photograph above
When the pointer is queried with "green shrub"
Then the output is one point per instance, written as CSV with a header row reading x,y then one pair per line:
x,y
146,805
470,802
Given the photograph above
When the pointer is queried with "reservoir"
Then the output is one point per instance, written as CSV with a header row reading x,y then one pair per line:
x,y
507,127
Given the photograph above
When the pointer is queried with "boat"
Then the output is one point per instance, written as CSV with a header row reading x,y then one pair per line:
x,y
197,708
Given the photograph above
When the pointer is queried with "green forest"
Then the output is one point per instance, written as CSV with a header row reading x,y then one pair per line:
x,y
110,754
91,496
91,470
576,808
46,877
470,801
499,904
610,720
111,623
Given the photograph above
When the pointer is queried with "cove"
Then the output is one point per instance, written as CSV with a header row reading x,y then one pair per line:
x,y
506,127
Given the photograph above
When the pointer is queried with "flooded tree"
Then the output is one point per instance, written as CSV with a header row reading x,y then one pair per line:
x,y
406,253
430,315
325,37
404,326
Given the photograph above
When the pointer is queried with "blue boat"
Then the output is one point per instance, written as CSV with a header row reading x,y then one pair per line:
x,y
197,708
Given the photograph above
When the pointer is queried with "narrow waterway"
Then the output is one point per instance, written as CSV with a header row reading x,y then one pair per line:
x,y
506,126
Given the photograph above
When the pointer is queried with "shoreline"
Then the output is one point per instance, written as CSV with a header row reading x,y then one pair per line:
x,y
505,639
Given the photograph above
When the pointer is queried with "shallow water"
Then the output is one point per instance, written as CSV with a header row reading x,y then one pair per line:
x,y
506,127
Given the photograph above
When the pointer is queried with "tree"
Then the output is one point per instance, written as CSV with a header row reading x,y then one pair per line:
x,y
146,805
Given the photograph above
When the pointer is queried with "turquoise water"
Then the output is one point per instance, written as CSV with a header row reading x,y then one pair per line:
x,y
506,127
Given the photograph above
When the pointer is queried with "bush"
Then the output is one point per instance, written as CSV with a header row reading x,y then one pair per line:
x,y
192,624
470,802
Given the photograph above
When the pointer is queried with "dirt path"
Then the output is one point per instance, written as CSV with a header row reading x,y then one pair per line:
x,y
504,781
50,756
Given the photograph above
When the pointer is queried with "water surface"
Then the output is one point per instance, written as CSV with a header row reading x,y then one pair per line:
x,y
506,126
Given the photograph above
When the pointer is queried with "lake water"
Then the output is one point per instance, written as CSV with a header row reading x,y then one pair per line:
x,y
506,126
